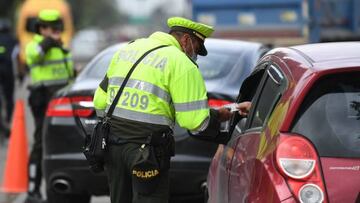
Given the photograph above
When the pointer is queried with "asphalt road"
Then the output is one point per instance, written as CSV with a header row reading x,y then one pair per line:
x,y
22,93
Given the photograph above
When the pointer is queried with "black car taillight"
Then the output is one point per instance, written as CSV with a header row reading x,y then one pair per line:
x,y
80,106
216,103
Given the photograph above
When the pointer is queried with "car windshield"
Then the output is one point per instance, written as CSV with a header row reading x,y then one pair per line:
x,y
330,116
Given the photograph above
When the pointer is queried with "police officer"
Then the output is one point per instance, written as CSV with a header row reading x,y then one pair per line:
x,y
7,45
51,68
165,87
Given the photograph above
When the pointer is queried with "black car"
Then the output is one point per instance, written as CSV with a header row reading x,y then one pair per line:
x,y
68,178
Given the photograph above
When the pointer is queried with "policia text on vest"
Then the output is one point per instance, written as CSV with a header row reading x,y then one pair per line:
x,y
145,174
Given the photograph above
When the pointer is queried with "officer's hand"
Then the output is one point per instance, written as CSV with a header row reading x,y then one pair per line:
x,y
244,108
48,43
224,114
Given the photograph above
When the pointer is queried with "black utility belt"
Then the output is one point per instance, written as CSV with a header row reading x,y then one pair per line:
x,y
154,139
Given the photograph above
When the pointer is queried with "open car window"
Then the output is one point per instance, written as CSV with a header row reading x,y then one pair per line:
x,y
267,97
251,83
247,92
264,93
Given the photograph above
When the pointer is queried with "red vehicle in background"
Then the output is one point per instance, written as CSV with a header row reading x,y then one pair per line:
x,y
301,139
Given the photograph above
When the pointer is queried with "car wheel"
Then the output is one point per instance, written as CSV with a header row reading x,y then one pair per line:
x,y
53,197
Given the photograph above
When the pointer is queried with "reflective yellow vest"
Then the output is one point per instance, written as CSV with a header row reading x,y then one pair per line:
x,y
51,68
165,87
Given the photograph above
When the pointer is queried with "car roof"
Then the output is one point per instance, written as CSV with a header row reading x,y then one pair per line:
x,y
319,57
322,52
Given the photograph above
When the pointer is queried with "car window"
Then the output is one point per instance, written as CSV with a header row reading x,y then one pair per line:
x,y
251,83
330,116
268,96
246,93
98,68
225,68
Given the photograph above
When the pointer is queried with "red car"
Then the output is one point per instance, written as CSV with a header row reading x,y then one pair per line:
x,y
301,139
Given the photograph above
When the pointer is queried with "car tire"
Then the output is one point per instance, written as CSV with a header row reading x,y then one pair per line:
x,y
53,197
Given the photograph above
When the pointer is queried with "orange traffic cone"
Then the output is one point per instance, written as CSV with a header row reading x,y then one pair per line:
x,y
16,167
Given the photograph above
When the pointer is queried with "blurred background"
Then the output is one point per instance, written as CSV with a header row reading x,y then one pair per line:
x,y
94,24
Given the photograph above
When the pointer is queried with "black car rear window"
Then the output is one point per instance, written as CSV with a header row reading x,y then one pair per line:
x,y
98,67
330,116
217,64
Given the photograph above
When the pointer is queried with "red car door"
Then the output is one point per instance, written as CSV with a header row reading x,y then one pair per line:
x,y
242,167
244,163
218,178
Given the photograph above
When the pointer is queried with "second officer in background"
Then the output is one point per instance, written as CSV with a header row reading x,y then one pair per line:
x,y
51,68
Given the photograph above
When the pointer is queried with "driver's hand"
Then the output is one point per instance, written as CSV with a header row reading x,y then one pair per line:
x,y
244,108
224,114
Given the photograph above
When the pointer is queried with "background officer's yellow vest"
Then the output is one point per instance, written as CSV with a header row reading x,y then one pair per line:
x,y
55,67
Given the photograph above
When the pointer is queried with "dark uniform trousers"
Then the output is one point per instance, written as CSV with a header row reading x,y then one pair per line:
x,y
7,42
118,164
38,101
7,87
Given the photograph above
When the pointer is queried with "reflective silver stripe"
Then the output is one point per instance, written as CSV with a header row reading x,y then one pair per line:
x,y
100,112
50,62
62,121
191,106
203,126
67,156
142,117
50,82
144,86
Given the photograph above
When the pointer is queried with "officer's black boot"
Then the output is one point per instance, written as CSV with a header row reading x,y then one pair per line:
x,y
34,197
